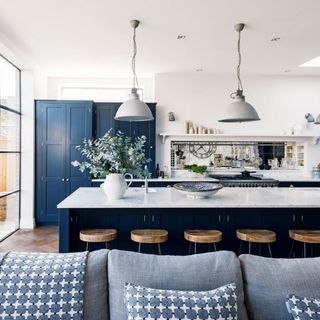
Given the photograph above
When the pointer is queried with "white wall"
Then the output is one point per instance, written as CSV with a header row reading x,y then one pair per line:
x,y
281,102
27,150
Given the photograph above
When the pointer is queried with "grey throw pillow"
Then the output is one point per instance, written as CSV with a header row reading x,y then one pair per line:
x,y
302,308
150,304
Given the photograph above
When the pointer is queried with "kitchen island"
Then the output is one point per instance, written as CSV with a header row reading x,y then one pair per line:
x,y
279,209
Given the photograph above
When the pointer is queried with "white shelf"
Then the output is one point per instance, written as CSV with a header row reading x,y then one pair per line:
x,y
239,137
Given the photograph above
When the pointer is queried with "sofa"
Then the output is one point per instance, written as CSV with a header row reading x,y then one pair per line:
x,y
262,283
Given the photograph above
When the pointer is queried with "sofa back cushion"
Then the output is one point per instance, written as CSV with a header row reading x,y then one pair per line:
x,y
95,300
199,272
268,282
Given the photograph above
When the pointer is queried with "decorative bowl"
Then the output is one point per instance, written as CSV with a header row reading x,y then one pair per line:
x,y
198,190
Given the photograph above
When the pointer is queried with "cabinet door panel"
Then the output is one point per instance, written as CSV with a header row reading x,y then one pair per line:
x,y
78,126
50,140
104,118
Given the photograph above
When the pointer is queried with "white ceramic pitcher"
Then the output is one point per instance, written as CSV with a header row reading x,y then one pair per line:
x,y
115,185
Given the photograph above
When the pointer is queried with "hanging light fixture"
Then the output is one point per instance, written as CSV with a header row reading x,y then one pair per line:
x,y
134,109
239,110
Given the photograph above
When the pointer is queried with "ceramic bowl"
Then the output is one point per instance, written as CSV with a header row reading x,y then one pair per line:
x,y
198,189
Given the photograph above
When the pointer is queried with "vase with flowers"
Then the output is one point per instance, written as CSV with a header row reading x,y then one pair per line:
x,y
113,157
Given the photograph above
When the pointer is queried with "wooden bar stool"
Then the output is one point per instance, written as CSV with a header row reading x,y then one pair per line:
x,y
202,236
98,235
304,236
149,236
256,236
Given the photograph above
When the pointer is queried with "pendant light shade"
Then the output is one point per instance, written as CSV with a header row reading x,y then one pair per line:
x,y
239,110
317,120
134,109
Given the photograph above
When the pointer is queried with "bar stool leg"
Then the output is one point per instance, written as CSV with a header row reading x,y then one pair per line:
x,y
240,248
139,247
195,248
209,245
291,250
107,245
304,250
87,246
269,250
214,246
190,246
159,249
249,247
259,249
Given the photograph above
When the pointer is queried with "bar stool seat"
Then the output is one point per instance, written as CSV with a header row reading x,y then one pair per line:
x,y
98,235
256,235
149,236
304,236
307,236
260,236
202,236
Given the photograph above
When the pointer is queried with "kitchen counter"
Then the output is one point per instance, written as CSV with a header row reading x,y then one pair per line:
x,y
171,198
278,209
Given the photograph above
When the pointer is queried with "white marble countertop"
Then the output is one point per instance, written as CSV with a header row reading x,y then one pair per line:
x,y
171,198
206,179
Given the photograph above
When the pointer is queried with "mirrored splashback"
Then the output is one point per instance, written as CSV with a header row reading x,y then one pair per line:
x,y
233,154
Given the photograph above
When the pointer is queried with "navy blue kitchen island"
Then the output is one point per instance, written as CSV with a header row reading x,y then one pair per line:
x,y
278,209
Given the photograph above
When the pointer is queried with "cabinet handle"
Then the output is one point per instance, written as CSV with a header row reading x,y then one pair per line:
x,y
71,219
152,218
302,218
294,218
291,186
219,218
67,179
144,218
63,180
228,218
151,147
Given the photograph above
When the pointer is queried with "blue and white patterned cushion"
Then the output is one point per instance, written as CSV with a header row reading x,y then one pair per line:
x,y
42,286
302,308
156,304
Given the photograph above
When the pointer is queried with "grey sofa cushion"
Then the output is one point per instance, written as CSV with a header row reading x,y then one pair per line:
x,y
267,282
199,272
96,287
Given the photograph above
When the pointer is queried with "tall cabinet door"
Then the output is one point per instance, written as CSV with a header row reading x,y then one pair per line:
x,y
78,127
60,126
104,114
51,157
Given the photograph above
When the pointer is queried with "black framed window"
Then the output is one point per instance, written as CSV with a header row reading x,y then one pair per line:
x,y
10,147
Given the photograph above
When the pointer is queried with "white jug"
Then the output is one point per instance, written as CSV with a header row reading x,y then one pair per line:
x,y
115,185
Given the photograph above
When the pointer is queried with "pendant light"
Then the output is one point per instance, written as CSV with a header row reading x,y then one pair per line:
x,y
134,109
239,110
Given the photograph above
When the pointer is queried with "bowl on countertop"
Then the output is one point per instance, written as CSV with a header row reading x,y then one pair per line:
x,y
199,190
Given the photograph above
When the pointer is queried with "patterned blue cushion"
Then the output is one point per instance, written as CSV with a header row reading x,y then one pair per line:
x,y
151,304
302,308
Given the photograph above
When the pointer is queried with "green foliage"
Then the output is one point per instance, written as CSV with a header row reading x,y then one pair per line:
x,y
113,154
196,169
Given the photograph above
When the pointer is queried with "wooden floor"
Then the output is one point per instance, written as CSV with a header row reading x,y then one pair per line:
x,y
41,239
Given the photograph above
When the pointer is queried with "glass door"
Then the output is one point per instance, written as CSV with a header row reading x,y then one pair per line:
x,y
10,120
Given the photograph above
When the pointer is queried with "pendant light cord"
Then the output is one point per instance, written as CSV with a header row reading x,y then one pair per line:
x,y
240,88
239,63
133,63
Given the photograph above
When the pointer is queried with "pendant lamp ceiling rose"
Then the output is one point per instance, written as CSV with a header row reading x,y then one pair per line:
x,y
134,23
239,27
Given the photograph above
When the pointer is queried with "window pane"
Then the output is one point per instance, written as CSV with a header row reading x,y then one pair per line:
x,y
9,172
9,214
9,85
97,94
9,130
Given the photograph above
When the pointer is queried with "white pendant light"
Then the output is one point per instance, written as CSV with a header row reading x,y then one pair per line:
x,y
134,109
317,119
239,110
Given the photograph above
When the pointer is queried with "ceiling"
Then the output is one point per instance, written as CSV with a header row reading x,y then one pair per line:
x,y
93,38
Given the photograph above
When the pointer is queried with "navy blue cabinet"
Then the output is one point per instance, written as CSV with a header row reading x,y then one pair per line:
x,y
60,126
